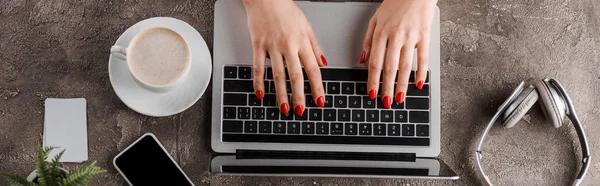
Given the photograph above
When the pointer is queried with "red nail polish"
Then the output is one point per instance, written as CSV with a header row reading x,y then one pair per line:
x,y
362,57
387,102
259,94
372,94
285,108
324,60
420,85
400,97
321,101
299,110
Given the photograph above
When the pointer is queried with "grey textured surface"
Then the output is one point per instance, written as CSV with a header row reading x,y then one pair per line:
x,y
59,49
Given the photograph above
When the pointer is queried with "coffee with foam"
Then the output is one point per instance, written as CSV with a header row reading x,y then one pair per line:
x,y
158,56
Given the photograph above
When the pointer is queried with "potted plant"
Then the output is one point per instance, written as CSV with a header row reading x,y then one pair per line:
x,y
51,173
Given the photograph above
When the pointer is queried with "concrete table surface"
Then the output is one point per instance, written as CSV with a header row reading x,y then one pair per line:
x,y
59,49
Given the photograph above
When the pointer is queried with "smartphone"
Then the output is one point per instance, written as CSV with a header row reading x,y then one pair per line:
x,y
146,162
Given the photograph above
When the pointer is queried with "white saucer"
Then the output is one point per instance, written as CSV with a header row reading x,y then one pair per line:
x,y
175,101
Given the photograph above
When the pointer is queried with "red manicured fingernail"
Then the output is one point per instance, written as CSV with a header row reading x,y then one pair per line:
x,y
387,102
400,97
324,60
362,57
321,101
420,85
285,108
259,94
299,110
372,94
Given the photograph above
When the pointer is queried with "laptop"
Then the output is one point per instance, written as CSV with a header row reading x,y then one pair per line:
x,y
352,136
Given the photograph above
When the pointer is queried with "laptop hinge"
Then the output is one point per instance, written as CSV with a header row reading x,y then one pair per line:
x,y
318,155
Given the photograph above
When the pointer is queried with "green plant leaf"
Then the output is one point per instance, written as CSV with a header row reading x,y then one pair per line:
x,y
16,180
81,176
43,169
55,169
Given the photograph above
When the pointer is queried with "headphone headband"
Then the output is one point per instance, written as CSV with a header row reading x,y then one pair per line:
x,y
570,112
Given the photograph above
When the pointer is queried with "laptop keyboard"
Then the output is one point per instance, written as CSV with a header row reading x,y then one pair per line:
x,y
349,115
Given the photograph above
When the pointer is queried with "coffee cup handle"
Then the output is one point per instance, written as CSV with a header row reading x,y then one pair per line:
x,y
119,51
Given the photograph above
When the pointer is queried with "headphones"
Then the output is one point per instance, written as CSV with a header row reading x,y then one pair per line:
x,y
556,105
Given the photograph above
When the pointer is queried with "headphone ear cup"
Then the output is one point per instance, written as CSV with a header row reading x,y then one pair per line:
x,y
530,99
548,104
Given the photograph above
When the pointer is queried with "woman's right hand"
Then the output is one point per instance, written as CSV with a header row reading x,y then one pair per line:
x,y
280,30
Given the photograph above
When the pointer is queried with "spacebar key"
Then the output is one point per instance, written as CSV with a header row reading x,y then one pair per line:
x,y
326,139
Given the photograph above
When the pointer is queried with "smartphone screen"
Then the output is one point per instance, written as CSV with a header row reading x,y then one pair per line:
x,y
146,162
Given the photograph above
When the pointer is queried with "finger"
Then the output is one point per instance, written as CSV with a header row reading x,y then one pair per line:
x,y
279,78
316,48
376,63
404,69
422,61
296,80
390,69
368,39
313,72
258,71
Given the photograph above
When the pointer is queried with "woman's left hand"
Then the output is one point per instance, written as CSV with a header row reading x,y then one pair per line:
x,y
396,29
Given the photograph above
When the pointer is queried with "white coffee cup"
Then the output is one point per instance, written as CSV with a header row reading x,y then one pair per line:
x,y
177,62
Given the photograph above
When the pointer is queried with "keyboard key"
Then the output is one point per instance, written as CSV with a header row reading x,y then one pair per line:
x,y
329,101
417,103
411,78
343,115
413,91
250,126
327,139
419,116
264,127
307,89
304,116
270,100
269,73
379,102
253,101
350,129
347,88
288,116
333,88
245,73
338,74
310,102
233,126
266,84
365,129
358,115
400,116
355,102
423,130
279,127
395,105
230,72
272,87
308,128
368,102
393,129
372,115
316,115
329,115
322,128
379,129
324,87
340,101
293,127
243,112
235,99
238,86
337,128
361,89
272,114
387,116
408,130
258,113
228,112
